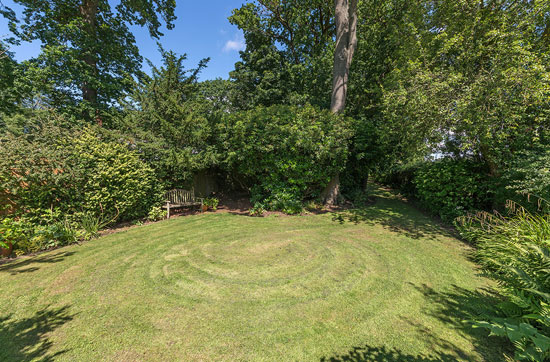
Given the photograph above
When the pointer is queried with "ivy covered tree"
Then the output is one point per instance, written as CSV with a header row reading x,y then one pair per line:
x,y
88,51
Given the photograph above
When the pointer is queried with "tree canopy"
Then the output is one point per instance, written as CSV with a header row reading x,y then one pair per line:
x,y
88,51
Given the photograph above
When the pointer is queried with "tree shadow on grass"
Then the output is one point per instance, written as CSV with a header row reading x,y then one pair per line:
x,y
28,339
455,308
459,307
24,266
384,354
395,215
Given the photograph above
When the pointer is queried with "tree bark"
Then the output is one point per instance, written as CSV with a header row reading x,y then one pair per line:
x,y
88,10
346,43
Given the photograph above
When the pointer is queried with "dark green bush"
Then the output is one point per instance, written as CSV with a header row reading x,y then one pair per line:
x,y
36,170
73,171
114,179
446,187
451,187
284,154
529,172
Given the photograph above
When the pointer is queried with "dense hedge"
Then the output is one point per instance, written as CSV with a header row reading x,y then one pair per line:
x,y
284,154
36,173
59,181
452,187
113,178
446,187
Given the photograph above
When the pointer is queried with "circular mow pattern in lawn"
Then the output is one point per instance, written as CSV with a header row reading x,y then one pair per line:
x,y
282,267
389,285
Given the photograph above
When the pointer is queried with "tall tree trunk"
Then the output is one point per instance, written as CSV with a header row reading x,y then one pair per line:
x,y
88,10
346,43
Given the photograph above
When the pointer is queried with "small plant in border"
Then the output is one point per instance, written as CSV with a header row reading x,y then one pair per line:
x,y
11,233
257,210
92,223
212,203
156,213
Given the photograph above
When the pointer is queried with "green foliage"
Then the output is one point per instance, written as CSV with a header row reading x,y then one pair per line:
x,y
284,154
446,187
257,209
211,202
47,236
287,200
115,180
401,177
451,187
28,236
530,173
59,181
477,80
92,223
288,55
49,172
36,171
156,213
9,95
11,231
169,123
515,250
89,52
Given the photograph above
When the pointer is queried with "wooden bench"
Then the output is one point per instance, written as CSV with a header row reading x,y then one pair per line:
x,y
180,198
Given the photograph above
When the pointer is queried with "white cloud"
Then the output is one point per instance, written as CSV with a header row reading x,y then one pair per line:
x,y
234,45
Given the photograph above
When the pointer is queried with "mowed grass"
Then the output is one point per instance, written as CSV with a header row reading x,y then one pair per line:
x,y
382,283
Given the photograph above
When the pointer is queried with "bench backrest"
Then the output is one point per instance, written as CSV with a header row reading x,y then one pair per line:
x,y
180,197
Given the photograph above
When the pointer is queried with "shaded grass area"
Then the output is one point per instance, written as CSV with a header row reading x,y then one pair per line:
x,y
383,283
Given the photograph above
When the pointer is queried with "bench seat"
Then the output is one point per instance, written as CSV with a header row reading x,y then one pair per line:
x,y
181,198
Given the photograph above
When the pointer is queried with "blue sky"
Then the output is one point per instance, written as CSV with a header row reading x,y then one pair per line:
x,y
201,30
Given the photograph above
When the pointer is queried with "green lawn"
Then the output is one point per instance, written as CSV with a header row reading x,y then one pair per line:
x,y
380,284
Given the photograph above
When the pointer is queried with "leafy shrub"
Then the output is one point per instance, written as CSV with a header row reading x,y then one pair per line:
x,y
30,237
116,180
530,173
283,199
515,250
74,171
156,213
58,181
211,202
42,237
451,187
36,172
284,154
257,210
11,231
